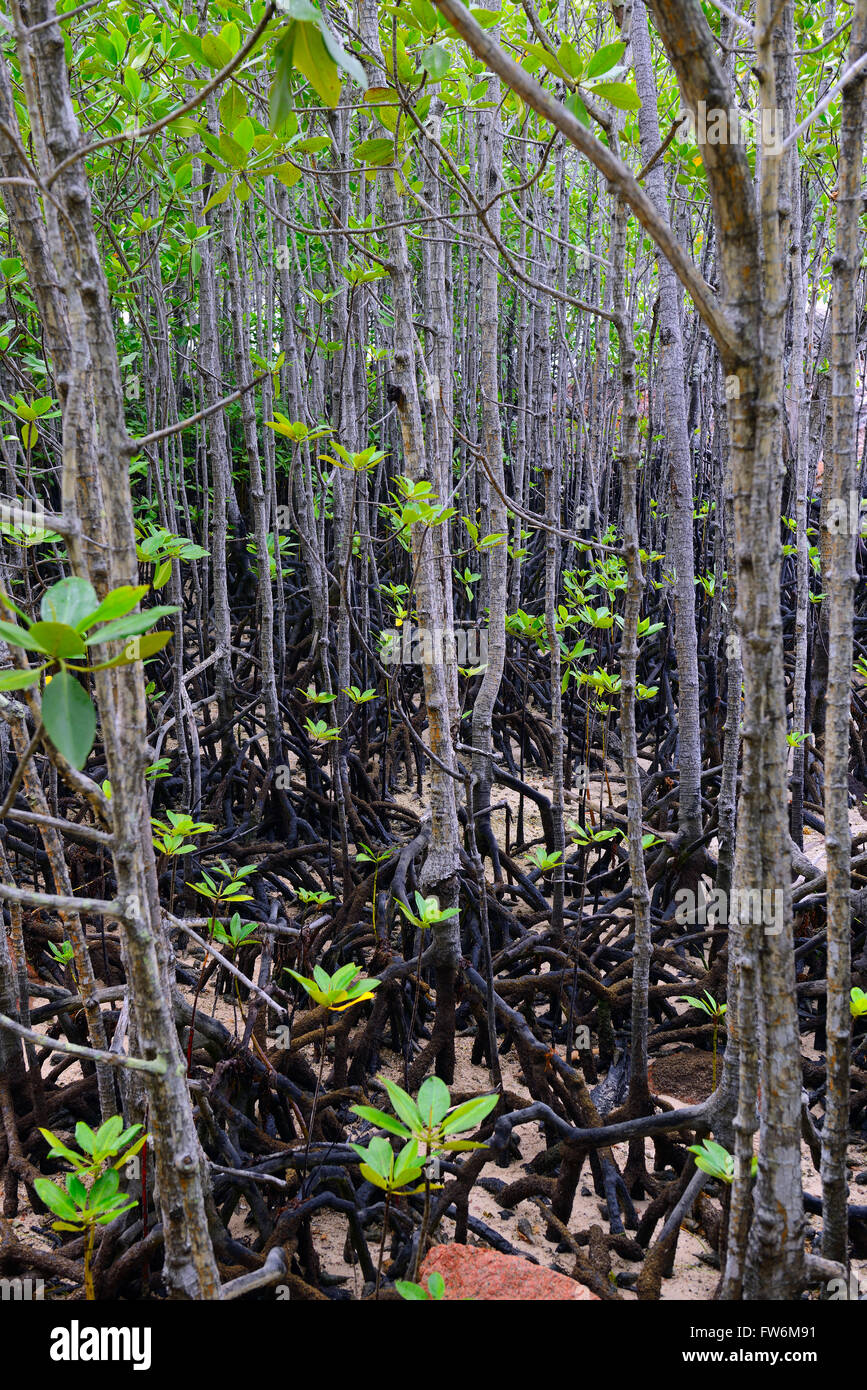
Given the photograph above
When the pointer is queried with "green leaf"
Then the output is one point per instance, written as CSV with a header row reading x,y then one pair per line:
x,y
425,14
163,574
314,144
232,152
411,1292
406,1167
302,979
233,107
85,1137
59,1149
378,1155
55,1198
110,1132
379,151
372,1176
379,1117
436,61
344,60
311,57
220,196
68,601
287,174
570,60
605,59
142,648
216,51
18,680
76,1189
403,1105
341,978
280,98
620,94
300,9
470,1114
69,718
385,102
115,605
244,134
857,1002
19,637
433,1100
105,1187
574,104
58,639
132,82
132,626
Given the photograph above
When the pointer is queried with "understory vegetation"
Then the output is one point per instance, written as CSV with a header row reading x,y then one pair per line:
x,y
433,705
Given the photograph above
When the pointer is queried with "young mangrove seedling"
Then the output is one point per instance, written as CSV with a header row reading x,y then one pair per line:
x,y
431,1121
219,893
713,1010
429,914
717,1162
392,1173
336,993
436,1287
82,1208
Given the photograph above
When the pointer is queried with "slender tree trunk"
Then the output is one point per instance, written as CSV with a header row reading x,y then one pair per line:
x,y
838,566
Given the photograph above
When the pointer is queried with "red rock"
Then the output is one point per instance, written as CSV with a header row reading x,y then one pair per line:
x,y
470,1272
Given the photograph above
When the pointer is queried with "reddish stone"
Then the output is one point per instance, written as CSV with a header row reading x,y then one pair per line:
x,y
470,1272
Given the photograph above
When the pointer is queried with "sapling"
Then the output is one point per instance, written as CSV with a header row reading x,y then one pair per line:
x,y
227,892
82,1208
62,954
170,840
392,1173
717,1162
430,1120
713,1010
237,934
428,913
62,640
543,861
312,898
336,993
436,1287
368,856
857,1002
